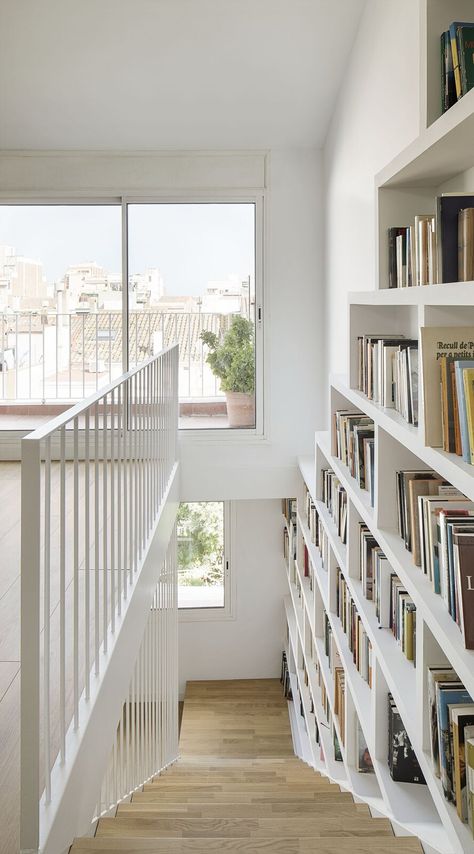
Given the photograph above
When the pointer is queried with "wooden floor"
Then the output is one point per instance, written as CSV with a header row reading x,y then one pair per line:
x,y
238,787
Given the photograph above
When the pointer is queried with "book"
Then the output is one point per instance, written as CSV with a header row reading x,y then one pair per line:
x,y
448,206
463,545
448,88
447,695
466,245
437,343
364,759
425,249
402,760
468,382
459,367
393,233
465,46
461,718
454,28
469,758
445,675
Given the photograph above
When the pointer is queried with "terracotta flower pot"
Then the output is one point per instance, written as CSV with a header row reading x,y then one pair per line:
x,y
240,409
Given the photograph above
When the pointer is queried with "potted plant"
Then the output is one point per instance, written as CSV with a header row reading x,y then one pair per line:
x,y
232,359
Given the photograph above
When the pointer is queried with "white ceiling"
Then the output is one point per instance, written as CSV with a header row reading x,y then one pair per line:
x,y
145,74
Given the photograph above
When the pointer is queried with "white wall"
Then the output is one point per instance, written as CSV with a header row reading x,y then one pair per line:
x,y
377,114
294,329
250,645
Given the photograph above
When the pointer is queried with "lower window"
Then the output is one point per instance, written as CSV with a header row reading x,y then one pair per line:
x,y
203,559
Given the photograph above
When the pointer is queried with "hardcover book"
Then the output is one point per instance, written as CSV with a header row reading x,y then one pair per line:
x,y
448,207
436,344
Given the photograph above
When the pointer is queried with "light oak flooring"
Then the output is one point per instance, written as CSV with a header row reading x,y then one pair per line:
x,y
238,787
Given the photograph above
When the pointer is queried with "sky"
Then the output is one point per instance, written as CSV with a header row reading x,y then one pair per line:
x,y
190,243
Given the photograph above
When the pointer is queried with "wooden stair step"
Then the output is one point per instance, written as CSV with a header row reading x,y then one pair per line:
x,y
285,845
197,810
333,825
332,795
186,788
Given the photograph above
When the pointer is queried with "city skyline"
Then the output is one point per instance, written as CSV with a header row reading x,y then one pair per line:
x,y
198,243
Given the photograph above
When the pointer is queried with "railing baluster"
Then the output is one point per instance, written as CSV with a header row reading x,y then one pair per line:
x,y
119,502
87,546
105,586
96,540
112,511
75,523
46,618
62,594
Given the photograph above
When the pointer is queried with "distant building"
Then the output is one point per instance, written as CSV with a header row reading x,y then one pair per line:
x,y
22,280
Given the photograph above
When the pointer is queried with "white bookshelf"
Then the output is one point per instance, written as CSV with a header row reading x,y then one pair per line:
x,y
440,160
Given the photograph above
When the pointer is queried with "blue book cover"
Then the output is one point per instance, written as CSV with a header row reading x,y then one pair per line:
x,y
459,366
445,697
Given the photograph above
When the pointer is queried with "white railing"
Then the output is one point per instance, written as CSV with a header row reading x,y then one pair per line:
x,y
96,517
47,356
146,738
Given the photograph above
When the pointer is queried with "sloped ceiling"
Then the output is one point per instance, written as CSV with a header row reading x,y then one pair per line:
x,y
147,74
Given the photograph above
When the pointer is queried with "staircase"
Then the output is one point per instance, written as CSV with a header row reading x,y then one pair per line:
x,y
238,787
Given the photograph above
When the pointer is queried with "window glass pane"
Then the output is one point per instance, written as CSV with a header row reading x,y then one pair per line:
x,y
192,280
60,301
200,528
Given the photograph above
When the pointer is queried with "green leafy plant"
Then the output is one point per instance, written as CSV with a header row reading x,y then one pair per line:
x,y
232,357
200,543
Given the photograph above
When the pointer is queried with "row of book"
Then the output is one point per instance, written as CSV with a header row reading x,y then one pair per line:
x,y
434,247
285,677
288,508
457,62
312,517
289,541
436,522
357,638
394,607
334,496
355,447
451,716
388,372
402,760
448,388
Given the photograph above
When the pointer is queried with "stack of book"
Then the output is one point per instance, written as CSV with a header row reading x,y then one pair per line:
x,y
355,446
402,761
457,63
357,639
436,247
436,522
451,715
413,253
335,498
288,508
340,699
388,372
285,677
447,358
312,518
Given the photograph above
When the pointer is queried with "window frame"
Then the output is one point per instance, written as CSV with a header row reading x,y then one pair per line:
x,y
228,610
123,200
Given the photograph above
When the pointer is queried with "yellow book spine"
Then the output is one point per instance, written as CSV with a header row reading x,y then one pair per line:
x,y
456,69
468,378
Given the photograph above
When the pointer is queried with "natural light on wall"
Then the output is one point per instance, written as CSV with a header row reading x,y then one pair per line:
x,y
201,554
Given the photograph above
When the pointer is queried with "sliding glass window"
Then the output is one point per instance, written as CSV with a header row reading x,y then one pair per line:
x,y
192,280
60,301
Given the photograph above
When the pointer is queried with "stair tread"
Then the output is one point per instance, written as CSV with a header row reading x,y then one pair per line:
x,y
238,810
284,845
123,825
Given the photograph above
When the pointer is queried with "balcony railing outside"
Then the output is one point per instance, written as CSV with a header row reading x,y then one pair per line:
x,y
47,356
